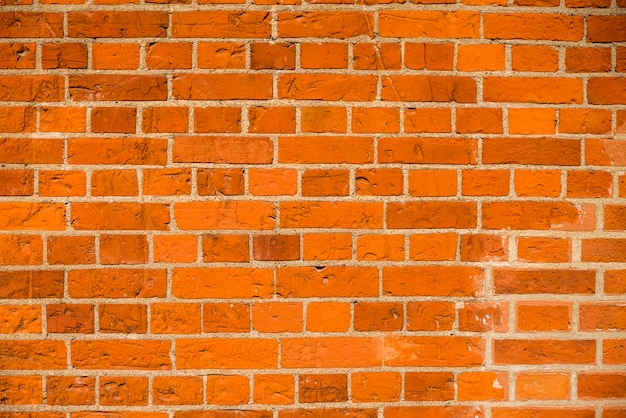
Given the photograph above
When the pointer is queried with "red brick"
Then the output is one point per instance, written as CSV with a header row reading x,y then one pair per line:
x,y
445,351
16,182
71,390
64,55
331,352
224,55
121,355
222,283
430,316
429,24
537,281
226,317
276,56
325,24
123,390
544,351
323,388
460,281
221,24
533,26
429,386
123,318
214,353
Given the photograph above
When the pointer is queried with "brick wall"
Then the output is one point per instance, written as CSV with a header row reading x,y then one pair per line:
x,y
272,208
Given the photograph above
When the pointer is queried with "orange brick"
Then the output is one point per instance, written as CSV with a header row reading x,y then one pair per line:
x,y
327,246
544,250
324,55
227,390
277,56
432,183
531,121
114,183
175,318
177,390
430,316
376,120
429,386
323,119
123,318
62,183
428,56
542,386
71,250
20,319
537,182
478,57
16,182
123,391
483,386
175,248
218,182
383,56
64,55
226,317
108,56
62,119
168,55
534,58
379,182
167,182
544,316
277,317
16,119
217,119
588,60
477,120
272,182
425,120
376,387
272,119
380,247
325,183
224,55
274,389
585,121
123,249
378,316
328,317
483,247
165,119
71,390
433,247
233,248
113,119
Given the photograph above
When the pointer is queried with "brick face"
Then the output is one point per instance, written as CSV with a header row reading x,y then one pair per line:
x,y
312,208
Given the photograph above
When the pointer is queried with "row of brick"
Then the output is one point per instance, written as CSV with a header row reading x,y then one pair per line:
x,y
140,249
280,389
308,55
608,411
314,150
313,182
296,352
318,119
262,215
316,86
327,317
461,24
303,282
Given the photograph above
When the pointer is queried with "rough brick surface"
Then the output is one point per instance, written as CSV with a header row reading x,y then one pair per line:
x,y
312,208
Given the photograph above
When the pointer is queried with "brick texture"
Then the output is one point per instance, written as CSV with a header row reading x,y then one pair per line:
x,y
312,208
